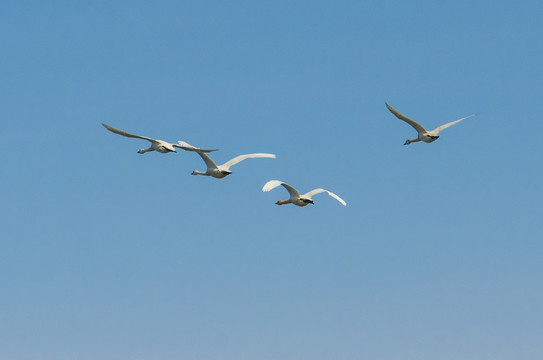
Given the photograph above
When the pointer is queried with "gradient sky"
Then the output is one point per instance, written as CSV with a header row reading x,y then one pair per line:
x,y
109,254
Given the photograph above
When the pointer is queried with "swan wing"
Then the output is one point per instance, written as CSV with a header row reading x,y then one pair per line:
x,y
124,133
443,127
186,146
420,129
272,184
210,163
318,191
240,158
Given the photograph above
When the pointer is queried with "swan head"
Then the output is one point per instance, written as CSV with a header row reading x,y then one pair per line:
x,y
141,151
407,142
282,202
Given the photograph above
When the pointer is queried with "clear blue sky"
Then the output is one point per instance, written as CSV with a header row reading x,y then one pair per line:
x,y
109,254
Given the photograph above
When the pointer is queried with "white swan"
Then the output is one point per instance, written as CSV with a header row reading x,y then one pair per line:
x,y
156,145
424,135
295,197
223,170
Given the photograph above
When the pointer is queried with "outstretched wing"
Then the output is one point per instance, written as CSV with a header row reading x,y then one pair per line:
x,y
413,123
272,184
124,133
210,163
443,127
240,158
318,191
186,146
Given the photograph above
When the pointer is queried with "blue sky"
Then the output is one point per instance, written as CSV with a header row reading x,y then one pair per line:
x,y
106,253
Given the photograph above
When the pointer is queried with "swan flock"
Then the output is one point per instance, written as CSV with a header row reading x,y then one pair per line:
x,y
223,170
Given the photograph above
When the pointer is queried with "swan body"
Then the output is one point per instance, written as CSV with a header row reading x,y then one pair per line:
x,y
295,197
219,171
156,145
423,134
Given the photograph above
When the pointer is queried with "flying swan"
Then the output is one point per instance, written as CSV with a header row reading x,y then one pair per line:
x,y
424,135
295,197
223,170
156,145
